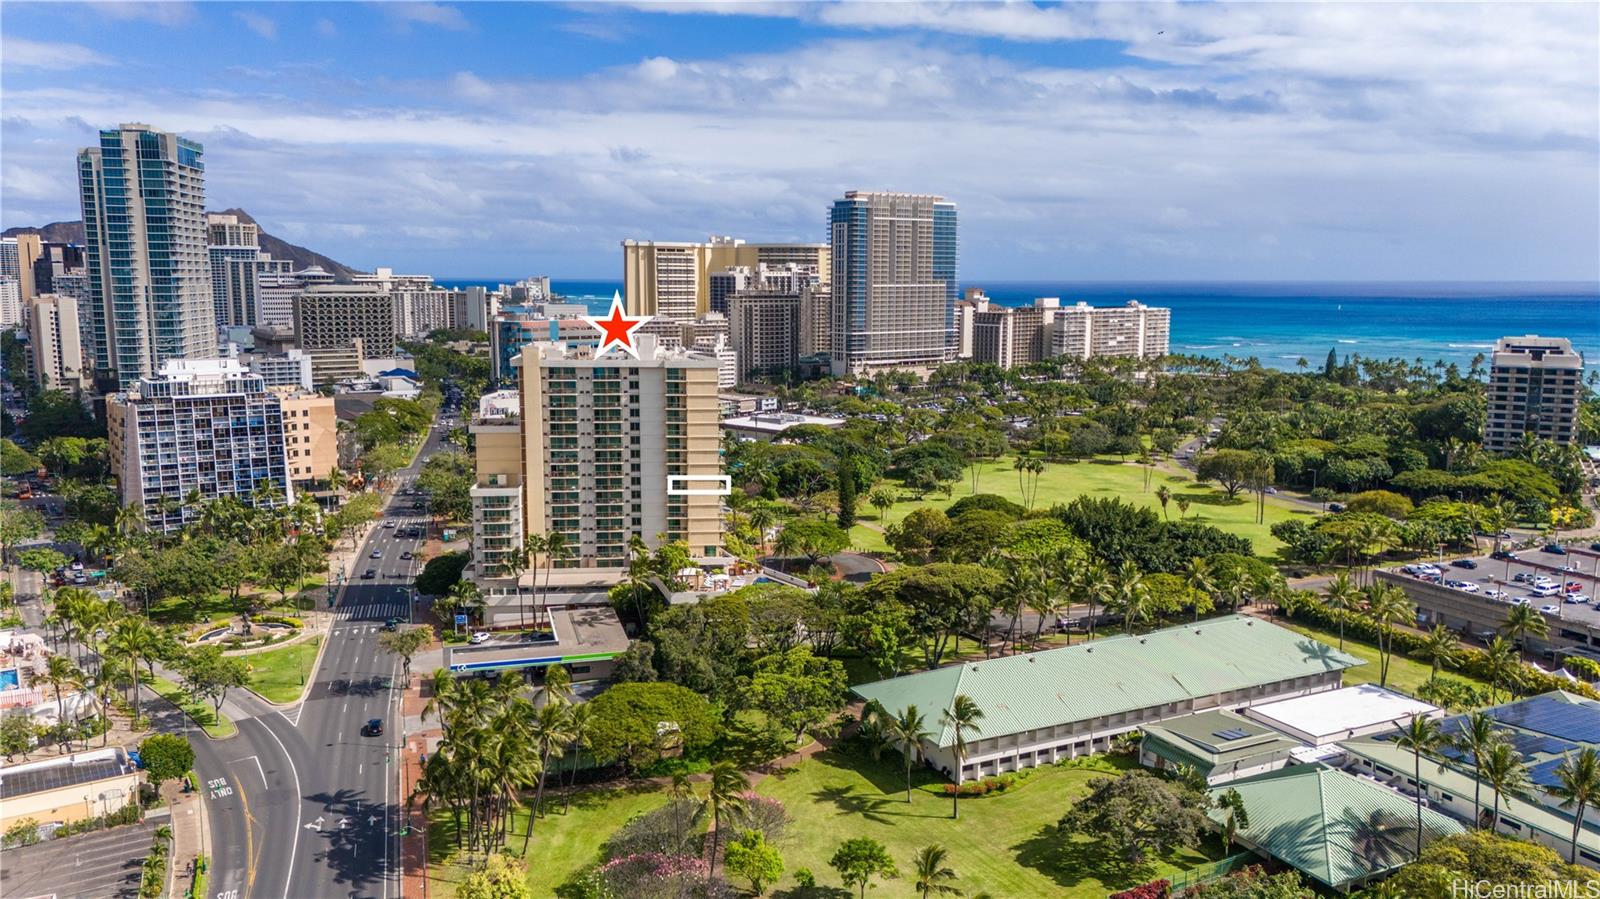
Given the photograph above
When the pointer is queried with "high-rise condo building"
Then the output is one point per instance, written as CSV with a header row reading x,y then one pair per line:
x,y
53,336
726,283
673,279
18,257
894,280
1535,386
330,316
199,427
276,289
1007,336
1082,331
420,306
588,454
143,197
237,267
55,260
310,435
765,331
11,312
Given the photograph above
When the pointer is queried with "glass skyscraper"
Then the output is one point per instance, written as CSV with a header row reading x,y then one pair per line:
x,y
150,298
894,280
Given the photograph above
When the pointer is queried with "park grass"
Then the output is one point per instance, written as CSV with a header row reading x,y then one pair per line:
x,y
1108,476
865,539
217,726
562,845
279,675
188,609
1005,844
1405,673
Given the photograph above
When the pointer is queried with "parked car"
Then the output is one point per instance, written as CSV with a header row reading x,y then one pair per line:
x,y
1542,590
1503,555
479,637
1335,507
393,624
373,728
1464,563
1577,599
1522,577
1555,549
1550,610
1574,587
1542,581
1595,547
1519,600
1497,595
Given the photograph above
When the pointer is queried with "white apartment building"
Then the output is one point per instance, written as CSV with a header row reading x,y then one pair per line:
x,y
1082,331
54,339
10,303
1007,336
201,426
291,368
1535,386
276,290
588,454
331,316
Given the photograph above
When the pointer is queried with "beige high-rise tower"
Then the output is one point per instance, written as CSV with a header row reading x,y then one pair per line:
x,y
673,279
586,450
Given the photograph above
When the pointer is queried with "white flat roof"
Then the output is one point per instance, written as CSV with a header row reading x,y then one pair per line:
x,y
1336,711
778,421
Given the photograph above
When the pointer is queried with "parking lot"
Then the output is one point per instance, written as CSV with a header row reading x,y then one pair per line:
x,y
87,866
1513,581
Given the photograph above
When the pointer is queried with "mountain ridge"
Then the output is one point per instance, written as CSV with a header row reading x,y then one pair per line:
x,y
276,247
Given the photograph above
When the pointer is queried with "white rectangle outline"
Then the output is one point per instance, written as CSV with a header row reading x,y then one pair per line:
x,y
724,480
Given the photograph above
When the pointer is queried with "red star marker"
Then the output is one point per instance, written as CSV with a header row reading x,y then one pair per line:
x,y
617,328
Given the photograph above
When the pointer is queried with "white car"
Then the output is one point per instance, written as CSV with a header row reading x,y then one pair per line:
x,y
1519,600
479,637
1545,590
1550,610
1577,598
388,524
1542,581
1466,586
1425,568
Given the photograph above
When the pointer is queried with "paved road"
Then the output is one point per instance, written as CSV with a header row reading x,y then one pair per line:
x,y
87,866
301,805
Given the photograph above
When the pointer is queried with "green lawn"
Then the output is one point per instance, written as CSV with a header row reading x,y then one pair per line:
x,y
1005,844
562,845
188,609
1405,674
216,725
280,674
1107,476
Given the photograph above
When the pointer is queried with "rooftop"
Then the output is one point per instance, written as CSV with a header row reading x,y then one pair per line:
x,y
1114,674
778,421
57,773
1219,737
1334,827
1338,712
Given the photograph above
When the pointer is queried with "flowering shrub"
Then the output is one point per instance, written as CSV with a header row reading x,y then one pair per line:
x,y
1155,889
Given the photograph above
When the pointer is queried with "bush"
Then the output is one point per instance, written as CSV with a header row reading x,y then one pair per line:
x,y
985,786
677,828
1582,667
22,833
278,619
441,573
1155,889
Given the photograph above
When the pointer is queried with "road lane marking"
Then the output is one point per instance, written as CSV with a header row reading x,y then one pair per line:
x,y
259,769
294,845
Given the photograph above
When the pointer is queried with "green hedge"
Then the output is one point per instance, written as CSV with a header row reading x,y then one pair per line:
x,y
1308,608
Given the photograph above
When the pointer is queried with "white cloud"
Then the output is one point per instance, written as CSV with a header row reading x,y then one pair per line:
x,y
326,28
435,14
21,53
263,26
162,12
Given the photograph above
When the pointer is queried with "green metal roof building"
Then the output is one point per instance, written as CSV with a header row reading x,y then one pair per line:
x,y
1221,745
1043,706
1336,828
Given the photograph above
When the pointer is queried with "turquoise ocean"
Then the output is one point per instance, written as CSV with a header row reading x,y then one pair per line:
x,y
1281,323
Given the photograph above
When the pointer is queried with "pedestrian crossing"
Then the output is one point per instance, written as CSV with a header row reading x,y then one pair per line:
x,y
371,611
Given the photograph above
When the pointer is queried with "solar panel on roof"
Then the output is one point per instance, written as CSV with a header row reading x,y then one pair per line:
x,y
1539,744
1544,773
1577,722
1232,733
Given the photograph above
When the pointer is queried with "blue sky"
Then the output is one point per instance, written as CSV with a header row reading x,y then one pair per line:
x,y
1120,141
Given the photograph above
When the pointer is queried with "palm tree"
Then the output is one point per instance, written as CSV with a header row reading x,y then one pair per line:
x,y
58,672
1164,496
1477,737
556,549
1131,595
1342,595
1578,788
962,717
1523,622
1500,663
557,685
1388,606
1183,507
578,727
1440,647
1238,818
728,787
551,733
522,559
1421,734
883,499
1197,574
133,638
932,873
909,730
1507,776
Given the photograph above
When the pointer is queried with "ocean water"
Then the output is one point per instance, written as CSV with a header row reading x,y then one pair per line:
x,y
1281,323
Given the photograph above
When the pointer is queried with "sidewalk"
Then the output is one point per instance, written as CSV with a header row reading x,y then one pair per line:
x,y
190,837
419,739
